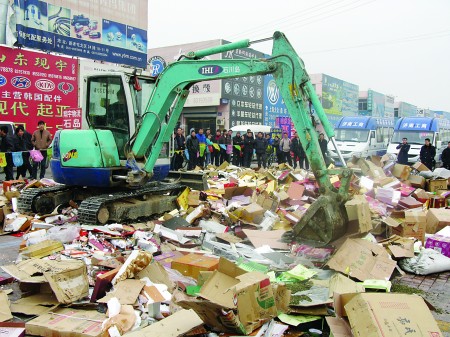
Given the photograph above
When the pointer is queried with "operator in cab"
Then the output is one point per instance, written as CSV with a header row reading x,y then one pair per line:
x,y
446,157
427,154
402,157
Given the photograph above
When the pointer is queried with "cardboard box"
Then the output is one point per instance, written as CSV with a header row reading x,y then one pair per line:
x,y
410,230
363,260
232,300
67,323
358,209
390,315
420,167
401,171
192,264
436,184
439,243
417,181
253,213
437,219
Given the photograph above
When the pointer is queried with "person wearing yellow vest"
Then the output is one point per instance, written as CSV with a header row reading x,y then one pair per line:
x,y
41,140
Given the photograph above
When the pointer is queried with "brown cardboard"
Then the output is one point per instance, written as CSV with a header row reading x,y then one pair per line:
x,y
31,270
363,260
177,324
253,213
358,209
436,185
420,167
417,181
69,285
401,171
191,264
5,312
126,291
67,323
390,315
370,169
232,300
437,219
42,249
399,247
271,238
338,327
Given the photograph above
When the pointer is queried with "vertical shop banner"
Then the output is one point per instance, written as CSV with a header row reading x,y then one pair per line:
x,y
332,93
407,110
376,103
106,30
350,98
273,102
244,93
389,106
36,86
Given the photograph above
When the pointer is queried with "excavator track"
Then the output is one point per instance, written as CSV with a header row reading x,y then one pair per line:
x,y
27,202
98,208
116,206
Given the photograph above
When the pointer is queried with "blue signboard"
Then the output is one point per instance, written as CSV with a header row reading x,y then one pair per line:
x,y
273,102
49,27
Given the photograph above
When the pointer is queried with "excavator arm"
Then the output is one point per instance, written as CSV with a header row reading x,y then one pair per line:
x,y
326,218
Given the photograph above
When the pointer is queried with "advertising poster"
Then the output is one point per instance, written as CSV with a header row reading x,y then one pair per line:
x,y
375,103
407,110
332,93
36,86
107,30
350,97
389,106
244,93
273,102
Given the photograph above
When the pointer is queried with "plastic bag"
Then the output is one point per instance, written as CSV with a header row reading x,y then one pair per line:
x,y
17,159
36,156
427,262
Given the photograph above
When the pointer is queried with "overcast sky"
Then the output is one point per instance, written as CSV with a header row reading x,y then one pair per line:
x,y
398,47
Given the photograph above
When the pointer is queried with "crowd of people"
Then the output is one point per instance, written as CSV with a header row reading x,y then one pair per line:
x,y
17,149
202,148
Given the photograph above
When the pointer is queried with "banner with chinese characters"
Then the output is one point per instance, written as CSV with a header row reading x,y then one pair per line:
x,y
244,93
106,30
36,86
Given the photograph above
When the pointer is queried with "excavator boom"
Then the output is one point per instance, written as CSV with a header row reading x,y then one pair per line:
x,y
326,219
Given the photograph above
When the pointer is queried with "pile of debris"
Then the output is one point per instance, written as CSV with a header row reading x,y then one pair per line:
x,y
218,263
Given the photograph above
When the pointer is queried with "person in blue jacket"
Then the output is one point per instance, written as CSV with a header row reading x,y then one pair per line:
x,y
402,157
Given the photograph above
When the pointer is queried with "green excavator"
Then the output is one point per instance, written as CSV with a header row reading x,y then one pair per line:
x,y
116,167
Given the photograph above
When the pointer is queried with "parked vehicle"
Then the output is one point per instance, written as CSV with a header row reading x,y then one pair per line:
x,y
416,130
361,136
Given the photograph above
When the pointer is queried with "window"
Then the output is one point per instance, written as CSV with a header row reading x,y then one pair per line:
x,y
351,135
414,137
362,104
107,108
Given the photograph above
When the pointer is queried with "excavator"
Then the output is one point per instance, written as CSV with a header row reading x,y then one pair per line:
x,y
117,166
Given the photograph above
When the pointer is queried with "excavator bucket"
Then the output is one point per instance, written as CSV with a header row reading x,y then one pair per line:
x,y
326,220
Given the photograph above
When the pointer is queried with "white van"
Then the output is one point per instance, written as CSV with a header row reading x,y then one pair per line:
x,y
254,128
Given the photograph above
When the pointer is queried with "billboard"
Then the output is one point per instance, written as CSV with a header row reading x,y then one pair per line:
x,y
106,30
339,97
406,110
274,106
206,93
244,93
389,106
375,103
36,86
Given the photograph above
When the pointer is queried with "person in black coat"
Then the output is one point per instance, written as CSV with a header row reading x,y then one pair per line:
x,y
237,141
402,157
446,157
193,147
295,148
249,144
28,147
427,154
180,146
261,150
7,146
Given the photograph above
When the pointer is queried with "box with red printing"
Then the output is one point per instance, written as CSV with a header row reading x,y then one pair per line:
x,y
439,243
